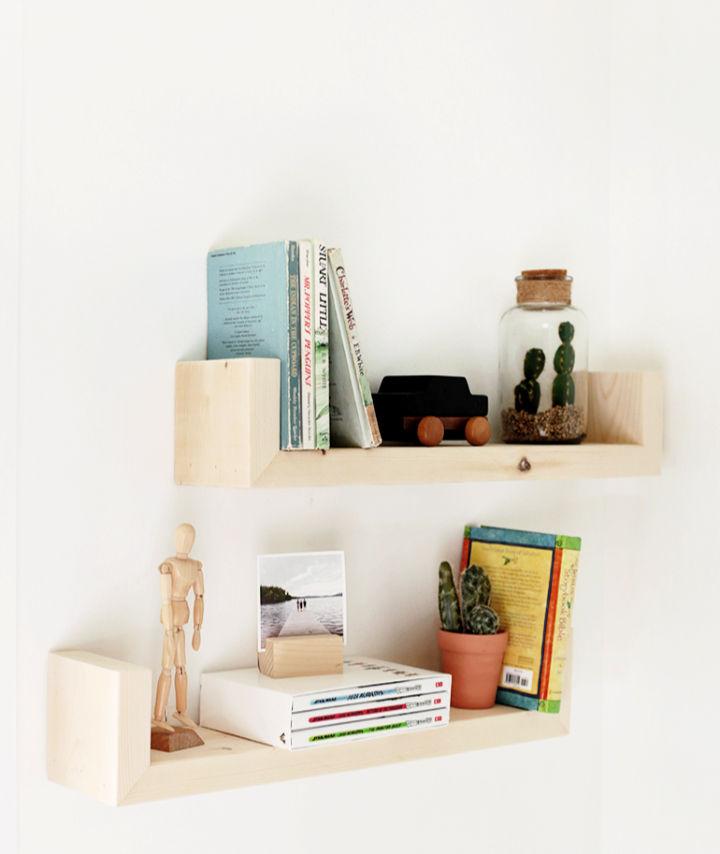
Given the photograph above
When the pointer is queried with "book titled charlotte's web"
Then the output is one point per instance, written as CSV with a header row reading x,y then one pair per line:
x,y
353,422
533,585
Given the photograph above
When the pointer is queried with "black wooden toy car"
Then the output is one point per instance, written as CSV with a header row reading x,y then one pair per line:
x,y
429,409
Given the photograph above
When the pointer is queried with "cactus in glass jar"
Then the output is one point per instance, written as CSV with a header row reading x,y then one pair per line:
x,y
448,600
527,391
563,388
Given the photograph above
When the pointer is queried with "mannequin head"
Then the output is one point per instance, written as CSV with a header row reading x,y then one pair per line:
x,y
184,538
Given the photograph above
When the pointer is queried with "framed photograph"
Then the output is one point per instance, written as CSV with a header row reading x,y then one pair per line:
x,y
301,594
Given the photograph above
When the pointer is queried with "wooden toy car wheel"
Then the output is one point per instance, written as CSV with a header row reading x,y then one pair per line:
x,y
430,431
477,430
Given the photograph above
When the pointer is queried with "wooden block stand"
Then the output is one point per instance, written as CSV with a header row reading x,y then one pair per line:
x,y
311,655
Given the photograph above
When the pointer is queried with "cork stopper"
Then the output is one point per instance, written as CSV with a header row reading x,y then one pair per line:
x,y
553,286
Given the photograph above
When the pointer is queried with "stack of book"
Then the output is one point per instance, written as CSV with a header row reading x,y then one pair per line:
x,y
369,699
291,300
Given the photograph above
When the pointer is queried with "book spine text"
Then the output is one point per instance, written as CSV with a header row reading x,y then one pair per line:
x,y
561,635
322,361
307,344
294,360
550,623
358,362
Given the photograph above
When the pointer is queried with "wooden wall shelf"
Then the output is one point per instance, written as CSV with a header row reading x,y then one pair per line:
x,y
99,739
226,434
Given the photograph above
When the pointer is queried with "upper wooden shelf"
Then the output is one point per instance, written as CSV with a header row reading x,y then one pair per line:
x,y
226,434
99,739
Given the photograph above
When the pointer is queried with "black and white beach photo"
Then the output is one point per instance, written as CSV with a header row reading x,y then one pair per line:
x,y
301,594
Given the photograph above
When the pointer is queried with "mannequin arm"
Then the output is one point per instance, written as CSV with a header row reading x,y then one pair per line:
x,y
198,607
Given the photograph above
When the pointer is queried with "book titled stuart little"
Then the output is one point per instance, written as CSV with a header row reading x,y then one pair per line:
x,y
533,584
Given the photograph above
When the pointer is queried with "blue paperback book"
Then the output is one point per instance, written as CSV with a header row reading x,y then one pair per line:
x,y
249,299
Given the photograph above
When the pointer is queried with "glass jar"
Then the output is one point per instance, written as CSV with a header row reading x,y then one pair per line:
x,y
543,362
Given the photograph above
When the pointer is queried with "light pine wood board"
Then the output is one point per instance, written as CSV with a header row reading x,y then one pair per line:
x,y
227,762
227,420
99,738
224,433
389,465
98,726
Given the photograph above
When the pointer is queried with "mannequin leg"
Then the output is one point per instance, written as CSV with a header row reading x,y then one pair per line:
x,y
163,689
180,672
181,681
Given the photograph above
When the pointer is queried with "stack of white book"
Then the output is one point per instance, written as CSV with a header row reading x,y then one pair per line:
x,y
371,698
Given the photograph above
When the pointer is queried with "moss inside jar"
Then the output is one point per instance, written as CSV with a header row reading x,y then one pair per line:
x,y
543,362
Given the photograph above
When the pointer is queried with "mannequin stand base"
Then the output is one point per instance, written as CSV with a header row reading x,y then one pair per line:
x,y
169,742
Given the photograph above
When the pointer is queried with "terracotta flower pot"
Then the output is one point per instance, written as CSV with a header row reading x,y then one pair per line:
x,y
475,663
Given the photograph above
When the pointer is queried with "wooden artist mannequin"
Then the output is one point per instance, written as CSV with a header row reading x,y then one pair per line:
x,y
177,576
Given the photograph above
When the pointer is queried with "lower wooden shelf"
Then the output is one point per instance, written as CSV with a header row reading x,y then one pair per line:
x,y
226,762
99,737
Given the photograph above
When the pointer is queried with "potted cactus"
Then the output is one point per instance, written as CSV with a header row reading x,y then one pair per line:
x,y
471,641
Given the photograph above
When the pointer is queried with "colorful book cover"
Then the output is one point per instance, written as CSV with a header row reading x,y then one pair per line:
x,y
322,356
307,343
352,413
248,310
533,584
294,362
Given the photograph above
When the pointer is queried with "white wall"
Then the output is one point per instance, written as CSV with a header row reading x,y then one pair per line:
x,y
10,112
444,147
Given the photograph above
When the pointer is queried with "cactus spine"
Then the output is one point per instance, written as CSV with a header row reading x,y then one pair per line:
x,y
563,388
527,391
448,600
475,617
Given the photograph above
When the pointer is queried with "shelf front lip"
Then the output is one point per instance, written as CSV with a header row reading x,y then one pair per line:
x,y
237,763
625,425
402,465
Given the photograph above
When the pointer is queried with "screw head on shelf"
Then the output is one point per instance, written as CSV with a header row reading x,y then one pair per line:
x,y
524,464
